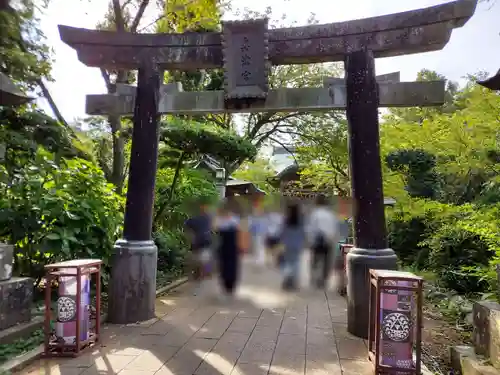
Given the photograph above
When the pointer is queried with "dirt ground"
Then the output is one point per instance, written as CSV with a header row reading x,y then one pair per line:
x,y
438,335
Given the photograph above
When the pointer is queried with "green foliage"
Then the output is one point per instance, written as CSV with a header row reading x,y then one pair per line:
x,y
20,346
418,168
322,152
448,154
172,249
190,141
463,143
192,187
460,244
24,57
259,172
22,132
196,139
193,15
53,211
190,15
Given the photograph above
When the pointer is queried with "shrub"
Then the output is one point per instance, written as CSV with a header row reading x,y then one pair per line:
x,y
172,250
459,243
58,211
192,187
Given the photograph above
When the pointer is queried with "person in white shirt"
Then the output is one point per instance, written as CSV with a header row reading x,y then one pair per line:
x,y
257,224
274,223
322,230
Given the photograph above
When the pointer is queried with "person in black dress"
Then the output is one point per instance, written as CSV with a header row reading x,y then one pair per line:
x,y
228,230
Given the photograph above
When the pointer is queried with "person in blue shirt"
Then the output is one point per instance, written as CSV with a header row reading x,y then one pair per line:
x,y
294,238
199,230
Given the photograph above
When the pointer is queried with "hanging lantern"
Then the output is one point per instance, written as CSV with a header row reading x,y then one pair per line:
x,y
72,329
395,329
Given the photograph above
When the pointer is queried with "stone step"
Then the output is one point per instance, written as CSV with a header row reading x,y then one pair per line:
x,y
13,333
486,335
464,361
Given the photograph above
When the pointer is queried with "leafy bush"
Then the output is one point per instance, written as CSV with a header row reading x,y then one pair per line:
x,y
405,235
58,211
195,138
192,187
460,243
23,132
172,250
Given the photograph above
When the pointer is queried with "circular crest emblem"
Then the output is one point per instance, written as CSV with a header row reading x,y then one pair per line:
x,y
66,309
396,326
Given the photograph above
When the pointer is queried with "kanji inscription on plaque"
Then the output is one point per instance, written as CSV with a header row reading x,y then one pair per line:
x,y
246,62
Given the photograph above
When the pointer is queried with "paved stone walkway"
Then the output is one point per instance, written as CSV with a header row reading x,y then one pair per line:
x,y
262,332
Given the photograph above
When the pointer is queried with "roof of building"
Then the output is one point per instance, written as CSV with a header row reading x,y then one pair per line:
x,y
10,95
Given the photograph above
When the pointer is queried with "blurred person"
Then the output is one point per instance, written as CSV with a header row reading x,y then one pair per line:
x,y
232,240
322,229
293,238
257,227
199,231
274,223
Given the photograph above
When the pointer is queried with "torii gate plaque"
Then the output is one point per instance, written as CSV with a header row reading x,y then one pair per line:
x,y
246,49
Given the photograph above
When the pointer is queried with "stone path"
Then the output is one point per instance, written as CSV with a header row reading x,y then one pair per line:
x,y
262,332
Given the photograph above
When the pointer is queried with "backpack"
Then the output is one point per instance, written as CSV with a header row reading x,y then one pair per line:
x,y
320,241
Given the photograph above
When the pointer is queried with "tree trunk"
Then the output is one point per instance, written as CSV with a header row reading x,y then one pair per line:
x,y
118,173
118,166
170,195
52,103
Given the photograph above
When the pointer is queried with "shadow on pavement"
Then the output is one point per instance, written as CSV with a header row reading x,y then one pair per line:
x,y
262,331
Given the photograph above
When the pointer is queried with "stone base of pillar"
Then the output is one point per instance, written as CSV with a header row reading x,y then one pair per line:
x,y
359,263
132,291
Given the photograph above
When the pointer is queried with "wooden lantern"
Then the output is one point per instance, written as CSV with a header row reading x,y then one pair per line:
x,y
395,329
73,329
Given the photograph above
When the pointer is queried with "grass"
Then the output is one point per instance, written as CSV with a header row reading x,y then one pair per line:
x,y
21,346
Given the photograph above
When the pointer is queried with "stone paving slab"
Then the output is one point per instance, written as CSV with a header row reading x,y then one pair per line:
x,y
262,332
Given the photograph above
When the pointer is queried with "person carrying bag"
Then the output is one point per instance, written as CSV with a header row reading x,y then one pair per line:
x,y
323,230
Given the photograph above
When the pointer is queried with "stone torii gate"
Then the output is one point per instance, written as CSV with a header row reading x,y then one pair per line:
x,y
492,83
246,50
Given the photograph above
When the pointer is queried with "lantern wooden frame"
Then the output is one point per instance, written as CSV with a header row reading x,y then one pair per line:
x,y
344,250
73,268
378,284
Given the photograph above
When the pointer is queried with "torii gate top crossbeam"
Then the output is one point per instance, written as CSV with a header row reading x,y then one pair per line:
x,y
492,83
421,30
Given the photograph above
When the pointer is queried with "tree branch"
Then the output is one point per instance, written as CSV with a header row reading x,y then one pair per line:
x,y
266,135
138,16
107,80
286,149
46,93
164,205
266,120
119,21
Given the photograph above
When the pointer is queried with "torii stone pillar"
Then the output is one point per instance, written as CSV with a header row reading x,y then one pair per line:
x,y
370,239
133,266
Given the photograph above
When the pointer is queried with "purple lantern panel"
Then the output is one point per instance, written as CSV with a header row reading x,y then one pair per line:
x,y
67,306
396,333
